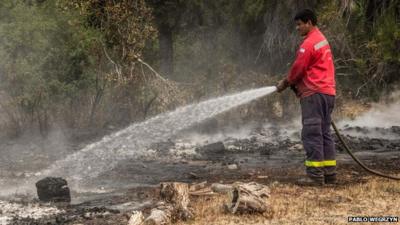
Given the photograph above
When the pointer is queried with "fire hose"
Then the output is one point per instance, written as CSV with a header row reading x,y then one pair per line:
x,y
348,150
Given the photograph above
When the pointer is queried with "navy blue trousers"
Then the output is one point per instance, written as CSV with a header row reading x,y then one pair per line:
x,y
316,135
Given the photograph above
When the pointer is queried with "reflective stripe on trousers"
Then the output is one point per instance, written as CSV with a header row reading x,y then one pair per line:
x,y
320,163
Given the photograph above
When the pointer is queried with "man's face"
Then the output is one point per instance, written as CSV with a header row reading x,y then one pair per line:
x,y
303,28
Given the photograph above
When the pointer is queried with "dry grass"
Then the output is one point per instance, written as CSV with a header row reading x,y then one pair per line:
x,y
292,204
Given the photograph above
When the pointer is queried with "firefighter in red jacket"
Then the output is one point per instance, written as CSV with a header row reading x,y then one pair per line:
x,y
312,76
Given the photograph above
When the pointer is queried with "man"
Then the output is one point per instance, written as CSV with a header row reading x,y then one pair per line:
x,y
312,77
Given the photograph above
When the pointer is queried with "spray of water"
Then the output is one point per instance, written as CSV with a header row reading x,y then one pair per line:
x,y
132,141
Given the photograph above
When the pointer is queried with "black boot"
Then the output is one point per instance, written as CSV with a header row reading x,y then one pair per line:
x,y
310,181
330,179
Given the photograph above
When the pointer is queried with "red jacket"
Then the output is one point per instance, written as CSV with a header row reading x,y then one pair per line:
x,y
313,70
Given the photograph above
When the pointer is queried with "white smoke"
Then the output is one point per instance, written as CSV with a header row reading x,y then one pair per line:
x,y
380,115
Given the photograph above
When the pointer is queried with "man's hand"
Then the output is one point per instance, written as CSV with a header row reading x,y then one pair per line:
x,y
282,85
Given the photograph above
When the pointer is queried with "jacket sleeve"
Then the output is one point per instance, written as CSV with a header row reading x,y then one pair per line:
x,y
300,65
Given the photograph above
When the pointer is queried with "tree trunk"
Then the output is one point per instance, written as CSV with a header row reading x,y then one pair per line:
x,y
373,10
148,105
370,12
166,50
96,101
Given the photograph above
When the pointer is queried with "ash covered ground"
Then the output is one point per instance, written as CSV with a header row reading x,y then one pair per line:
x,y
271,153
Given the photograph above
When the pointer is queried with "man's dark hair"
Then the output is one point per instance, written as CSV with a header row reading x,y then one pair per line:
x,y
305,15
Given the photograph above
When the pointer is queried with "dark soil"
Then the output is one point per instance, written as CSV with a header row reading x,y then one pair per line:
x,y
254,160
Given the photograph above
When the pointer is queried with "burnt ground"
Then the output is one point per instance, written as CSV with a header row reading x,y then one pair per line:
x,y
264,157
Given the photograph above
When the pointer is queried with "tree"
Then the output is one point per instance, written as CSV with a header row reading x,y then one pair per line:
x,y
43,63
125,26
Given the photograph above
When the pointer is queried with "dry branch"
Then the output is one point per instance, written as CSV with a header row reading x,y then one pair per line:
x,y
152,70
248,198
161,214
221,188
136,218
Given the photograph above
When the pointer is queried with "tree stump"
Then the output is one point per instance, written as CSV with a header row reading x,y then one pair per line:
x,y
177,194
53,189
173,206
248,198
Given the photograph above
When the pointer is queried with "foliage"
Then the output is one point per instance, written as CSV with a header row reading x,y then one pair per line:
x,y
367,54
75,61
42,63
125,25
61,59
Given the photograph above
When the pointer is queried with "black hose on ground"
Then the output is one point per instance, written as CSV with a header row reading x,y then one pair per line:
x,y
346,147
